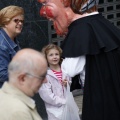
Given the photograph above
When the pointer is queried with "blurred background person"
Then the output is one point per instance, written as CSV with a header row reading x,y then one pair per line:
x,y
27,72
11,24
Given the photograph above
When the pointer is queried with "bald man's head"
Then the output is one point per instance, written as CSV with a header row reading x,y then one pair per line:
x,y
27,70
26,60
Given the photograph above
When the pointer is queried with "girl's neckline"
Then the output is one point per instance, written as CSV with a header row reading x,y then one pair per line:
x,y
56,70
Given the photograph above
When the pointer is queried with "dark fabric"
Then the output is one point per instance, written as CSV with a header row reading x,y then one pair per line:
x,y
8,49
102,87
99,40
40,105
89,35
75,83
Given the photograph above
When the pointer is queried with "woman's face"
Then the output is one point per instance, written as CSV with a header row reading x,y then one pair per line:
x,y
14,27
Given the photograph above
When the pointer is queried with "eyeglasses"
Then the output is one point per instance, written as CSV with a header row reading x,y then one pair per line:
x,y
18,20
40,78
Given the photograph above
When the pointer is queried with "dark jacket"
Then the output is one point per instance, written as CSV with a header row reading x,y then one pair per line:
x,y
8,49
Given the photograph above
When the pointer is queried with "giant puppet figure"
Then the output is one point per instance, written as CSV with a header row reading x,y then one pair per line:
x,y
92,49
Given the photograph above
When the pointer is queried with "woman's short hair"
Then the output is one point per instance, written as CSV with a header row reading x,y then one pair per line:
x,y
9,12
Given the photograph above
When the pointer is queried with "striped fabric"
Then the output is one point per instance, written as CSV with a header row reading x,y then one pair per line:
x,y
58,74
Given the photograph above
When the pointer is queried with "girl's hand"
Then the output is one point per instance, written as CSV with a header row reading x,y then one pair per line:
x,y
64,82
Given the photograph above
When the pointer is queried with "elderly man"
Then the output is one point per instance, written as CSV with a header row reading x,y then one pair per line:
x,y
27,72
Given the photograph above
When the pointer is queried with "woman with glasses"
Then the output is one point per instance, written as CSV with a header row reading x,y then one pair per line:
x,y
11,24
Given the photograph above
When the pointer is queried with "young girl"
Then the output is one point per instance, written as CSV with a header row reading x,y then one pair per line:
x,y
53,92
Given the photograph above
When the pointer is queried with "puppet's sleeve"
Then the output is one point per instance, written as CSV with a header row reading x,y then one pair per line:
x,y
73,66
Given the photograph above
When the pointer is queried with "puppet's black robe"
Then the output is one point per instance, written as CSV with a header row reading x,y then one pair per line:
x,y
99,40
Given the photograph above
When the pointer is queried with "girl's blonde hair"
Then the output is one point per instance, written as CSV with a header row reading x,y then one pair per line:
x,y
9,12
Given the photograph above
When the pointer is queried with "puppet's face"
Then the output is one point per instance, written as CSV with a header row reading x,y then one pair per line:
x,y
61,11
56,11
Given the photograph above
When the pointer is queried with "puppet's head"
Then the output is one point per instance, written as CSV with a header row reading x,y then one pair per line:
x,y
62,12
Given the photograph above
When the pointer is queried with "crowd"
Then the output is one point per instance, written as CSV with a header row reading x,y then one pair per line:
x,y
91,50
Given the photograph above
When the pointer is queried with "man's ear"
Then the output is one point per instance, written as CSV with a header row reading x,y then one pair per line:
x,y
21,78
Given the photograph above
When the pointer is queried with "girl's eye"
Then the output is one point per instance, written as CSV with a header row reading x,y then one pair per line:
x,y
57,54
51,55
